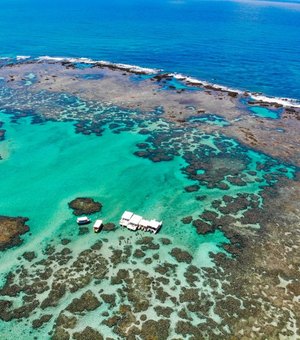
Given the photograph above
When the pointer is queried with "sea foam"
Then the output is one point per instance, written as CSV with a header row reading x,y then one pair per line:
x,y
189,80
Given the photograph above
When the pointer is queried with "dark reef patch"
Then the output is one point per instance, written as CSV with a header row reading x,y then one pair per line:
x,y
88,334
87,302
84,206
37,323
181,255
10,230
2,132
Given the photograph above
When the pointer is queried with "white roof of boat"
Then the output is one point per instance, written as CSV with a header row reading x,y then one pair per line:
x,y
132,227
83,218
135,219
144,223
98,223
127,215
154,224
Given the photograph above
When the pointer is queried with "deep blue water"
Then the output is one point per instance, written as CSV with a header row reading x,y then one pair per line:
x,y
250,45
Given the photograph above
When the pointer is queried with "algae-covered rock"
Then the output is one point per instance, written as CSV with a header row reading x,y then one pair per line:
x,y
203,227
84,206
87,302
60,334
10,230
29,255
37,323
88,334
187,220
109,226
155,329
181,255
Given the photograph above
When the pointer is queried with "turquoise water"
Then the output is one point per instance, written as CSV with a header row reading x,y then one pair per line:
x,y
65,165
252,45
264,112
209,119
46,166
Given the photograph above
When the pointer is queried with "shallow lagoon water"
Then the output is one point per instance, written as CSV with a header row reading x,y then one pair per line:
x,y
66,165
264,112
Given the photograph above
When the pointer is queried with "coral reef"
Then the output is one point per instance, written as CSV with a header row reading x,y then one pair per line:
x,y
84,206
10,230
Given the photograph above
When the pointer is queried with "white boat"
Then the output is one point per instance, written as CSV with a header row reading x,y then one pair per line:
x,y
83,220
97,226
125,218
135,222
154,226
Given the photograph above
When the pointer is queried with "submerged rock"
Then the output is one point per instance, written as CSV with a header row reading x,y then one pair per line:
x,y
203,227
109,226
37,323
29,255
88,334
192,188
187,220
181,255
155,329
87,302
84,206
10,230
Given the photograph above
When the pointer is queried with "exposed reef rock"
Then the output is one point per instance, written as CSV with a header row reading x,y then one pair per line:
x,y
88,334
155,329
10,230
87,302
84,206
37,323
181,255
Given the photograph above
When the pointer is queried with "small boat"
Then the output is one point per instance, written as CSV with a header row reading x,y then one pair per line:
x,y
136,222
83,220
97,226
125,218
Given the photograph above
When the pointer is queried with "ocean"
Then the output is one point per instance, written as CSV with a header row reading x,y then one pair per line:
x,y
249,45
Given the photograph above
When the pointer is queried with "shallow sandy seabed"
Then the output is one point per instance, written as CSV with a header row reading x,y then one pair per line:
x,y
142,287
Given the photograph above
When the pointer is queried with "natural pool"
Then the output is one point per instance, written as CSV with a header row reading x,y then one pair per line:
x,y
264,112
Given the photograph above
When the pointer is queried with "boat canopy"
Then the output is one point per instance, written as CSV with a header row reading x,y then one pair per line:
x,y
98,224
127,215
135,219
154,224
82,219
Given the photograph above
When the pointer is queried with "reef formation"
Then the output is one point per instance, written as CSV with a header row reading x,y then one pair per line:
x,y
84,206
11,228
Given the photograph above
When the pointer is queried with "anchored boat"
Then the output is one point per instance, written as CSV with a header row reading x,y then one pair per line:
x,y
136,222
83,220
97,226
